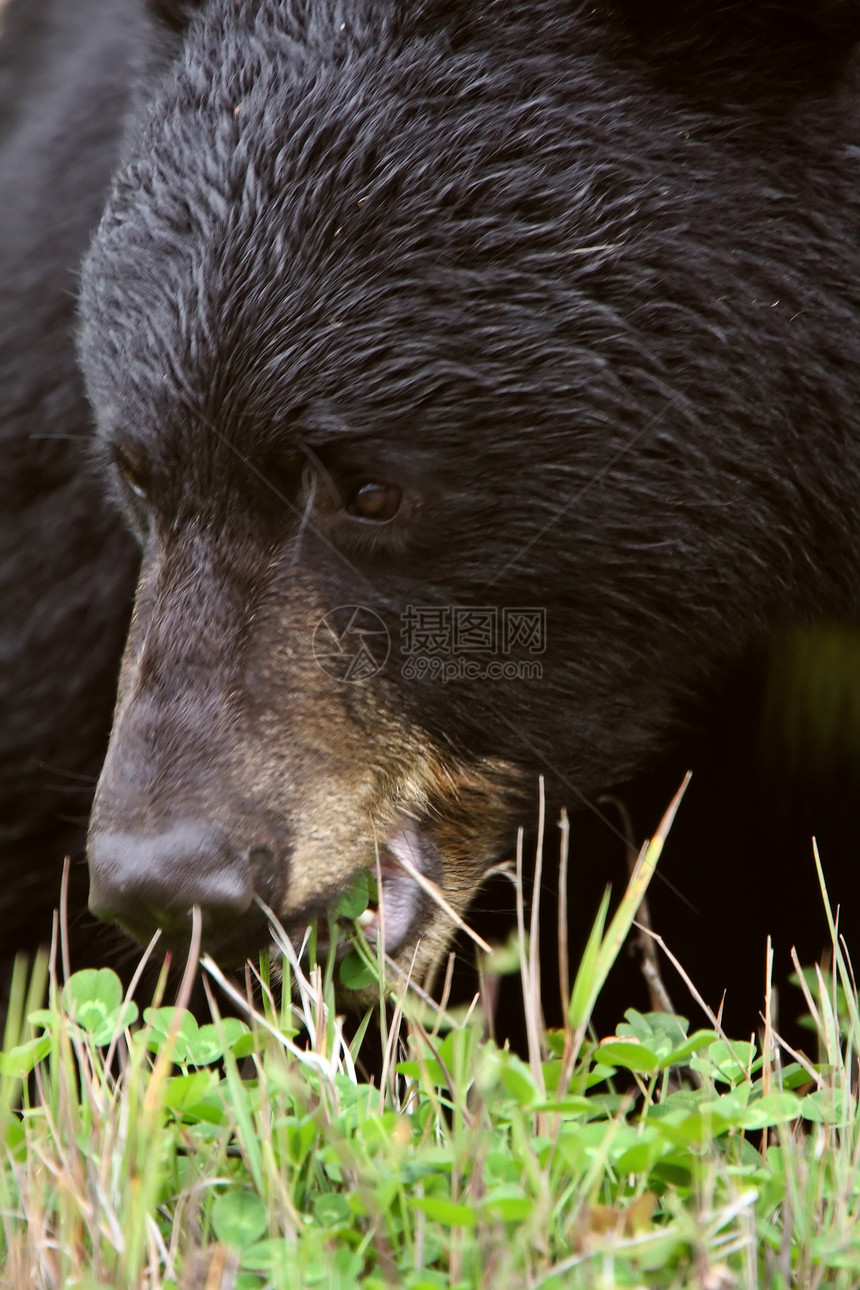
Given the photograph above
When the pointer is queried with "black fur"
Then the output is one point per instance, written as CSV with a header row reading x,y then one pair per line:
x,y
66,565
580,279
518,268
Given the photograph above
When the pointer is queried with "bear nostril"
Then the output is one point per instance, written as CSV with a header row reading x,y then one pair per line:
x,y
153,880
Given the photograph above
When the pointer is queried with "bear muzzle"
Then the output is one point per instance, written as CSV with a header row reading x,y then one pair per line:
x,y
146,882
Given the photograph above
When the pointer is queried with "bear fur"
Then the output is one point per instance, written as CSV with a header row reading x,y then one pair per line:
x,y
568,290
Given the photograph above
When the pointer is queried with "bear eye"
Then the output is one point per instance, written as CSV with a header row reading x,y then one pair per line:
x,y
374,501
133,473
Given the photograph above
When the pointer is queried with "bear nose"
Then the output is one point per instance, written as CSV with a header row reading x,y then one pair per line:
x,y
144,881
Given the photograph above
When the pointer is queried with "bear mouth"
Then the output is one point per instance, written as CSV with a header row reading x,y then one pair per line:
x,y
403,887
403,870
403,873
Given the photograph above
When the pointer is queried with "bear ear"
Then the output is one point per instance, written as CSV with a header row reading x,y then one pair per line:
x,y
175,15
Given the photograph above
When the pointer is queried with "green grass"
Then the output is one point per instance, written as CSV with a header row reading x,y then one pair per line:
x,y
151,1151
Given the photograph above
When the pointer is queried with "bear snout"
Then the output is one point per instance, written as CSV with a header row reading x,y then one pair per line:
x,y
145,881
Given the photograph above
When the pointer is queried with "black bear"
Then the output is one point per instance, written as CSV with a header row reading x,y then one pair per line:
x,y
478,382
